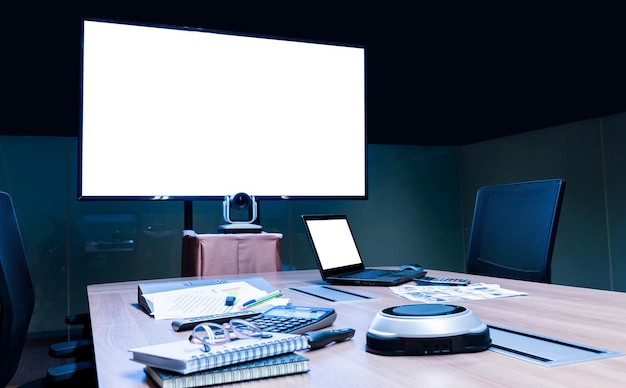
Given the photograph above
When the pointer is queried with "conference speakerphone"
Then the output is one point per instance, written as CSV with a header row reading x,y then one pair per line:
x,y
425,329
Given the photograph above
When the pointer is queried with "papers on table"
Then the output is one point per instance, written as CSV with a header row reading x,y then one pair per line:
x,y
442,294
204,300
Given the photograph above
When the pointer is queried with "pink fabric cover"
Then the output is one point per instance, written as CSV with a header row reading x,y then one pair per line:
x,y
228,254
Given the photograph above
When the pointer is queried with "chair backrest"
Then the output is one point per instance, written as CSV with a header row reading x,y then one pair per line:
x,y
513,230
17,296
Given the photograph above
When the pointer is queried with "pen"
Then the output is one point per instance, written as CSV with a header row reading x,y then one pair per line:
x,y
256,302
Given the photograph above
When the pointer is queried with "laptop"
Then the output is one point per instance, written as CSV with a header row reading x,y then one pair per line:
x,y
338,257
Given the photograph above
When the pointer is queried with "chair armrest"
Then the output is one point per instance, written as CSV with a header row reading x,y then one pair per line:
x,y
81,348
81,373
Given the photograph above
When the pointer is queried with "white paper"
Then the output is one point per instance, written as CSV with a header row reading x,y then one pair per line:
x,y
442,294
201,301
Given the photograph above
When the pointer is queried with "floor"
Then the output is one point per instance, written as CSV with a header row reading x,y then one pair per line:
x,y
35,361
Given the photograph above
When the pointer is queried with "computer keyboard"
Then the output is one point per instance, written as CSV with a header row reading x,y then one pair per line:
x,y
367,274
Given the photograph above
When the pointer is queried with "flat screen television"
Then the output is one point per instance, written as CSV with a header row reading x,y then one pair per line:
x,y
185,113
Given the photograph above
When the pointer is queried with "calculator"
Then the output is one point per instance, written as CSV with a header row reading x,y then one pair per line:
x,y
281,319
441,281
294,319
190,323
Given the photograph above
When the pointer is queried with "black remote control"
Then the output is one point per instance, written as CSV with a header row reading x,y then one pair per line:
x,y
319,339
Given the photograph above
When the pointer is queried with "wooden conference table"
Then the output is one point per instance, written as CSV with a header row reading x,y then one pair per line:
x,y
585,316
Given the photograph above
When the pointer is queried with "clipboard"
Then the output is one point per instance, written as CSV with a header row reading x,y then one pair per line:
x,y
152,287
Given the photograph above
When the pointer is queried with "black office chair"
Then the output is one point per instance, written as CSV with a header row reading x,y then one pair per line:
x,y
513,230
17,300
17,296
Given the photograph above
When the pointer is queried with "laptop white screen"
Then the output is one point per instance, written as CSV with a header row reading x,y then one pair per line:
x,y
334,243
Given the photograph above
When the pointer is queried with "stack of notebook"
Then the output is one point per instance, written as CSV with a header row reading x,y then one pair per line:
x,y
182,364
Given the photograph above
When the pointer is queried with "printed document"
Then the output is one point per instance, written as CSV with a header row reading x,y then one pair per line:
x,y
201,301
442,294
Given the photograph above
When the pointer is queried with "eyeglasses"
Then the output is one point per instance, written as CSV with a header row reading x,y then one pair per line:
x,y
210,333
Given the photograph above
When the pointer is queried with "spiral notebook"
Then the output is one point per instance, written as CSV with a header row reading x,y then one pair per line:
x,y
184,357
280,365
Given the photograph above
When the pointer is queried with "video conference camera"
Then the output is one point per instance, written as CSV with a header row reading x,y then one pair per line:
x,y
240,211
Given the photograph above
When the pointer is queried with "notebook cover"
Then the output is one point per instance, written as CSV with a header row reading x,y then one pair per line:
x,y
185,357
281,365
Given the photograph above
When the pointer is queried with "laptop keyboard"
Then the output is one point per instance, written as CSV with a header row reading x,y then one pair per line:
x,y
367,274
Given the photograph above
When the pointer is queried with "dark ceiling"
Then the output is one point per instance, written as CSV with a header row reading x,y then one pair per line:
x,y
450,75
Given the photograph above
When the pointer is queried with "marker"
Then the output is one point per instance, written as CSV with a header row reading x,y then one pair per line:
x,y
230,299
255,302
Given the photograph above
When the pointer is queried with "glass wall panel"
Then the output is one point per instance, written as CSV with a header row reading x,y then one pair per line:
x,y
412,215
